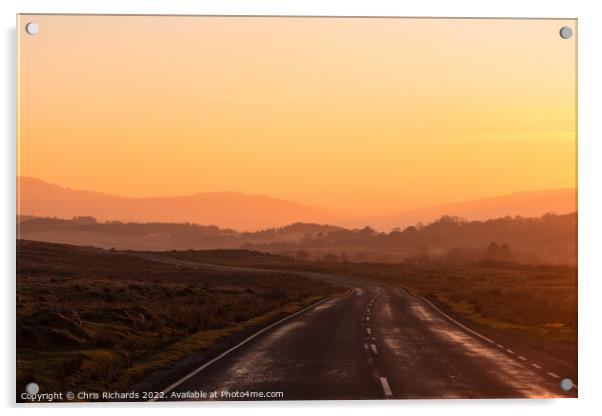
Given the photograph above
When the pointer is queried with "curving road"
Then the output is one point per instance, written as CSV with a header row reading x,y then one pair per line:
x,y
376,342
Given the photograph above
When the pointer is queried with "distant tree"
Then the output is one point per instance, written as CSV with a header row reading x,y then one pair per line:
x,y
547,239
493,251
496,252
505,254
84,220
366,232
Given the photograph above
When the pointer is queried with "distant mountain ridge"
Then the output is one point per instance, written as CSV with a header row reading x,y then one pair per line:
x,y
234,210
524,204
243,212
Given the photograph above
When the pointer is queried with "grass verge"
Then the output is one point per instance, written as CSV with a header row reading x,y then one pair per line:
x,y
92,320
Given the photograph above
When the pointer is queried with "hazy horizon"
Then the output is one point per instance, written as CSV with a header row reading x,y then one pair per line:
x,y
248,212
347,210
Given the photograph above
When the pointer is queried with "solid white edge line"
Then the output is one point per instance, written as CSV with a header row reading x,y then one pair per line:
x,y
240,344
534,365
457,323
386,388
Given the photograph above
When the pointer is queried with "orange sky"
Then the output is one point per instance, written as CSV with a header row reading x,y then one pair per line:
x,y
371,115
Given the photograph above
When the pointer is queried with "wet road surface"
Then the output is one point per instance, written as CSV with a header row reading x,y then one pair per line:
x,y
375,342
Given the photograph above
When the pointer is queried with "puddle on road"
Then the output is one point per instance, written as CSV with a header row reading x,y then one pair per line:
x,y
407,341
325,305
422,313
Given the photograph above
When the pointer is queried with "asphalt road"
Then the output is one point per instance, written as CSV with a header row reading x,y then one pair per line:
x,y
376,342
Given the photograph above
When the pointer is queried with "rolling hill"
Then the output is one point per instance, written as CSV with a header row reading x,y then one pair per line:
x,y
243,212
234,210
524,204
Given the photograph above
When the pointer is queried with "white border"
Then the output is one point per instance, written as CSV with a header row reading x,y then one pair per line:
x,y
590,209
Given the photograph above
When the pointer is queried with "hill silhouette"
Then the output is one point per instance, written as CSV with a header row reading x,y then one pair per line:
x,y
226,209
243,212
547,239
524,204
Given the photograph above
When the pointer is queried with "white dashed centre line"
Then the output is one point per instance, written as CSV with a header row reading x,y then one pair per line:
x,y
536,366
509,351
520,357
553,374
369,331
500,346
386,388
374,350
367,319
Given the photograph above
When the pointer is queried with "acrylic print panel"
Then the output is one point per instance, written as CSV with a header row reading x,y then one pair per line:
x,y
295,208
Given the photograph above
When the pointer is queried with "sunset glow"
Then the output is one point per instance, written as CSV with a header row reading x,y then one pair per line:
x,y
295,208
372,116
